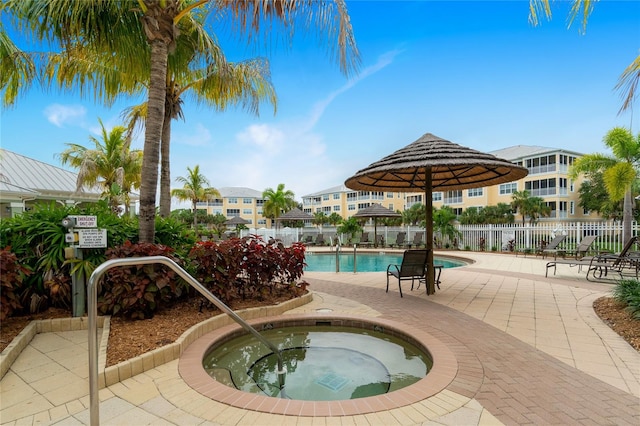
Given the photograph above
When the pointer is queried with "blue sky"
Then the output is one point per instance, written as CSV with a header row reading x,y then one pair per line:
x,y
476,73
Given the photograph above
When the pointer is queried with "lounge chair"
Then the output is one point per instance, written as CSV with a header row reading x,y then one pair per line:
x,y
412,268
552,247
417,240
580,251
319,240
364,240
601,264
399,242
379,241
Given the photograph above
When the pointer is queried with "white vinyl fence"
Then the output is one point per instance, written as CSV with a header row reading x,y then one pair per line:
x,y
503,237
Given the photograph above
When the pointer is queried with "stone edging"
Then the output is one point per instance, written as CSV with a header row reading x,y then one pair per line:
x,y
52,325
129,368
126,369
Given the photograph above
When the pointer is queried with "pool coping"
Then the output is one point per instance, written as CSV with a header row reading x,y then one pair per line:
x,y
443,372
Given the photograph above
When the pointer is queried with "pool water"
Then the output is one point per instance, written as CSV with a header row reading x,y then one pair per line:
x,y
323,363
365,262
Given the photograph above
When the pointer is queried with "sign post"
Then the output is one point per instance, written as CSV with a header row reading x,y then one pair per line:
x,y
88,237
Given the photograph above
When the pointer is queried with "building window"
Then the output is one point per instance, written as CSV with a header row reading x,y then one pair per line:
x,y
216,211
336,196
325,197
436,196
336,208
457,211
351,207
232,200
352,196
475,192
572,208
247,201
247,211
453,197
262,221
541,188
233,212
508,188
259,202
363,205
389,194
326,209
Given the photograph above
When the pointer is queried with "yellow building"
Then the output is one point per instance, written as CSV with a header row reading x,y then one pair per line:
x,y
548,179
238,201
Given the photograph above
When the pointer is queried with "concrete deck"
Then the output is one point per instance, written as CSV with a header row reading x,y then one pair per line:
x,y
530,350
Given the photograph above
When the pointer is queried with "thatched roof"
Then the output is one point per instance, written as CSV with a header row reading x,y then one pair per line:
x,y
376,210
295,214
452,167
236,220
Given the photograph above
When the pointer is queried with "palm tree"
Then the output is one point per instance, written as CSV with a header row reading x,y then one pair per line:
x,y
196,188
630,77
17,70
111,165
199,68
319,219
113,28
521,202
619,171
277,202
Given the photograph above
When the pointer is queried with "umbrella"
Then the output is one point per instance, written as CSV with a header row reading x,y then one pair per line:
x,y
432,163
236,221
294,215
375,211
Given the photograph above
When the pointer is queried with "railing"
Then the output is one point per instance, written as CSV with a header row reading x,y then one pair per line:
x,y
94,402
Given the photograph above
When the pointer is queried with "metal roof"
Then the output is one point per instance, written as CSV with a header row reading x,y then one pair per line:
x,y
517,152
25,177
239,192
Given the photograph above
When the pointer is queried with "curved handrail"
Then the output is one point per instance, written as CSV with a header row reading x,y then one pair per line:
x,y
93,315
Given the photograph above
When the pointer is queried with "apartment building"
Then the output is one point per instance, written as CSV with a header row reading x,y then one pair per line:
x,y
548,179
244,202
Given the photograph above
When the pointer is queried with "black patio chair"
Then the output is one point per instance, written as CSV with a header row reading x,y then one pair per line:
x,y
413,266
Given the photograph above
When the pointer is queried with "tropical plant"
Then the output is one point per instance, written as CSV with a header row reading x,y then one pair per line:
x,y
630,77
277,202
349,227
17,70
196,188
319,219
528,206
594,197
619,170
113,28
414,214
628,292
334,219
443,225
111,165
198,68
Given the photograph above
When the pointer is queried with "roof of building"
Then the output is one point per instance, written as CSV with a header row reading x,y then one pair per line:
x,y
520,151
239,192
333,189
23,176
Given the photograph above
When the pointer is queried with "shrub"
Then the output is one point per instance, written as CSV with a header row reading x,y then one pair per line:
x,y
11,277
247,267
138,291
628,292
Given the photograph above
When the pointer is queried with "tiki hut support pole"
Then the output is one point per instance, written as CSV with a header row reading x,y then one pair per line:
x,y
428,202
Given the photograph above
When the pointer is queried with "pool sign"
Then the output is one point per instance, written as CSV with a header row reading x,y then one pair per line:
x,y
92,238
85,221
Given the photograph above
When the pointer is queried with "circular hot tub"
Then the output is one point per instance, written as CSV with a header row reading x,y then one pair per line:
x,y
346,364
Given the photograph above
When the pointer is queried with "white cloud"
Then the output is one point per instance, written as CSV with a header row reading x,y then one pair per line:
x,y
59,115
262,136
201,136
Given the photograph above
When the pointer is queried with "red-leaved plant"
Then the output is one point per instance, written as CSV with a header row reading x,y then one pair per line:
x,y
11,276
138,291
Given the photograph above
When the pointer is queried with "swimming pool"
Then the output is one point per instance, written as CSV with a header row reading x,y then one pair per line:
x,y
365,262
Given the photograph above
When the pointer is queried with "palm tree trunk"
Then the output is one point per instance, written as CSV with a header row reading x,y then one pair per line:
x,y
195,215
165,169
152,137
627,215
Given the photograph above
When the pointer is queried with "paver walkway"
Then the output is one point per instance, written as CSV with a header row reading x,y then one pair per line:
x,y
530,350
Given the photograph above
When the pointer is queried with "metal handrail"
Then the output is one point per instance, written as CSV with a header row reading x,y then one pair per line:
x,y
92,308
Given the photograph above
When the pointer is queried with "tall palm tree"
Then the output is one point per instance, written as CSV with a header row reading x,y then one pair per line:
x,y
17,70
620,170
113,27
521,202
277,202
217,86
196,188
630,77
111,165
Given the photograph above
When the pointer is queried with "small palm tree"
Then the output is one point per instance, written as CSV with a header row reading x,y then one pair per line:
x,y
277,202
196,188
111,165
619,171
